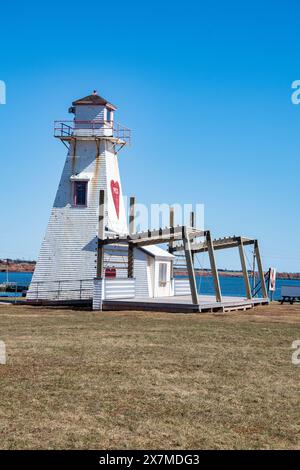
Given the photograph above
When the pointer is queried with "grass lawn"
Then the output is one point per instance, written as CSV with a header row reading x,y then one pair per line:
x,y
83,380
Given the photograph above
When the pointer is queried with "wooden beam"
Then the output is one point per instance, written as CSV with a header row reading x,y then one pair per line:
x,y
244,268
190,267
219,244
101,232
161,232
253,270
192,224
213,267
156,236
260,270
165,232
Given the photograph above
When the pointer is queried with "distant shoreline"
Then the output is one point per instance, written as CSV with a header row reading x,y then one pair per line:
x,y
28,267
222,273
17,267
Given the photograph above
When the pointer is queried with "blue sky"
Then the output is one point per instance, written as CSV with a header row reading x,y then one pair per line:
x,y
206,89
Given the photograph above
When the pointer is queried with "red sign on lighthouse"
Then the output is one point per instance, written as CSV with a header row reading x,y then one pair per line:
x,y
115,191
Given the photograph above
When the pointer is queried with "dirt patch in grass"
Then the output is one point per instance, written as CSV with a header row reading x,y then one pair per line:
x,y
83,380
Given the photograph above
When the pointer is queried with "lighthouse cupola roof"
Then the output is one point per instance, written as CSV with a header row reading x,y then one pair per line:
x,y
95,100
93,119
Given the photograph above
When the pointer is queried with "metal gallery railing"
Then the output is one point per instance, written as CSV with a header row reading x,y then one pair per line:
x,y
81,289
94,128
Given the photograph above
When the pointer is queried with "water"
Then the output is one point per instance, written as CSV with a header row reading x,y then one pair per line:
x,y
234,286
231,286
22,279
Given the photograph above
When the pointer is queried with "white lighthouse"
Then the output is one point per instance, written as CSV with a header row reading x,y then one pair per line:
x,y
66,264
89,255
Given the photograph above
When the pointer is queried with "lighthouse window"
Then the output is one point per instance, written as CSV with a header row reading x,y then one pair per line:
x,y
108,115
80,193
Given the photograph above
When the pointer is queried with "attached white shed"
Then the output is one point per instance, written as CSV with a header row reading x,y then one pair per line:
x,y
153,272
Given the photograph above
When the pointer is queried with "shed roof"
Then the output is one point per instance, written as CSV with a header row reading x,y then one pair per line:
x,y
93,99
157,252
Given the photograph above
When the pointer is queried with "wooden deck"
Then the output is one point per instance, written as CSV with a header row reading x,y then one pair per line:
x,y
184,304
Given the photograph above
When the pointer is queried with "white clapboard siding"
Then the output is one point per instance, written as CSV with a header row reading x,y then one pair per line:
x,y
98,294
182,287
69,249
84,116
140,273
103,131
89,113
119,288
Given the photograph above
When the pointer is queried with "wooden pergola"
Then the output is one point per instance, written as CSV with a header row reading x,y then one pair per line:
x,y
239,242
186,241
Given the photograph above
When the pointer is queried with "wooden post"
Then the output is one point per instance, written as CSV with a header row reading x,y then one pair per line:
x,y
130,268
260,270
132,215
171,227
190,267
101,231
192,219
253,269
213,266
192,224
244,268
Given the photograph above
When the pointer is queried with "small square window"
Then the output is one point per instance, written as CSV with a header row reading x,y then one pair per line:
x,y
80,193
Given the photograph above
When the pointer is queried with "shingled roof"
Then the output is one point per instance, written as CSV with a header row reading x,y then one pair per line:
x,y
93,100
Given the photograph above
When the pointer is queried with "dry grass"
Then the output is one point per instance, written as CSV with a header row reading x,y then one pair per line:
x,y
149,380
